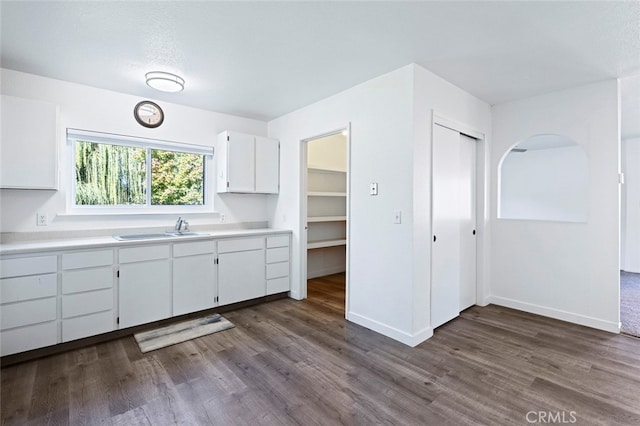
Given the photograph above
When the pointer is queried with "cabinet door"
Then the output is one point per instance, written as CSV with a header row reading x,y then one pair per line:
x,y
241,163
29,158
267,165
144,292
194,283
241,276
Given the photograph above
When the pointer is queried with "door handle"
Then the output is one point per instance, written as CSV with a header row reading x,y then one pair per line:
x,y
434,238
474,232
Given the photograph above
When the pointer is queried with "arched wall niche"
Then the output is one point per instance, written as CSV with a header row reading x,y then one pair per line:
x,y
544,177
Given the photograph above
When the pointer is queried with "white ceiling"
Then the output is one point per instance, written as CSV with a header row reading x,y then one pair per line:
x,y
264,59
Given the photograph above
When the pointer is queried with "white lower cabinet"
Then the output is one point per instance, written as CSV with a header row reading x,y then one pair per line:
x,y
28,310
194,277
144,292
27,338
241,273
87,293
47,299
87,325
277,264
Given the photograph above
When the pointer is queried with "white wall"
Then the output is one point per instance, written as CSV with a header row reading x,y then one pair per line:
x,y
433,94
545,184
380,113
88,108
631,214
567,271
390,120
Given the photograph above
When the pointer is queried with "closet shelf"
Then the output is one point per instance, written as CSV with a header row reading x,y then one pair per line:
x,y
326,194
321,170
326,219
326,243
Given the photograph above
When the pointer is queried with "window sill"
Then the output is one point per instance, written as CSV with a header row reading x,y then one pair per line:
x,y
137,214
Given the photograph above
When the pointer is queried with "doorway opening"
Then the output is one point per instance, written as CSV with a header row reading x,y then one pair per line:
x,y
630,238
325,212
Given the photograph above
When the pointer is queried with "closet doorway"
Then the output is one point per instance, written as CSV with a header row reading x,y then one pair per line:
x,y
454,246
629,202
325,212
630,238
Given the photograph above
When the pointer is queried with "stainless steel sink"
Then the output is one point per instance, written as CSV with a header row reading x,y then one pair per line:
x,y
134,237
185,233
130,237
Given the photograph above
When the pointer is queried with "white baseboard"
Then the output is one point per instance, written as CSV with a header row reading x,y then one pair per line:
x,y
392,332
295,295
587,321
421,336
325,271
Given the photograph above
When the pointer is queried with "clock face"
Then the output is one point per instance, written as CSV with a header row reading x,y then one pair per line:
x,y
148,114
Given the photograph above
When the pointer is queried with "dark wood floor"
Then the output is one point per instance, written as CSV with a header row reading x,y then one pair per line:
x,y
290,362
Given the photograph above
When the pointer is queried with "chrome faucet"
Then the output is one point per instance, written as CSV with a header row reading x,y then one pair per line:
x,y
181,225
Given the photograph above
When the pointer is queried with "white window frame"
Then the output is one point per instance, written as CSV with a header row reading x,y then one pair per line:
x,y
75,135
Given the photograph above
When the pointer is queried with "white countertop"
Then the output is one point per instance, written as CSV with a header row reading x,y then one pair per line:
x,y
108,241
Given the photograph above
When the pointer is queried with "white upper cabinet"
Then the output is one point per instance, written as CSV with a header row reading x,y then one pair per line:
x,y
236,163
267,165
247,164
29,155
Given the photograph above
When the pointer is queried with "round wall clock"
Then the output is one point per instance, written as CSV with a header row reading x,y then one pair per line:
x,y
148,114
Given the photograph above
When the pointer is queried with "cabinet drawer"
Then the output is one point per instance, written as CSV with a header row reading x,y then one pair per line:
x,y
190,249
278,241
88,325
26,313
87,259
242,244
278,285
140,254
27,338
276,270
74,305
28,266
87,280
27,288
280,254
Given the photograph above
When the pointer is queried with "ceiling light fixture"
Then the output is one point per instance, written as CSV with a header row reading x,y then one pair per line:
x,y
165,81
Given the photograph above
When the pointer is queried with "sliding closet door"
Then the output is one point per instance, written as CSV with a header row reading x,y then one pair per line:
x,y
467,222
453,223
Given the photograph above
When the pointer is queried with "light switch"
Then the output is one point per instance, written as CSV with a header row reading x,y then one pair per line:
x,y
373,188
397,217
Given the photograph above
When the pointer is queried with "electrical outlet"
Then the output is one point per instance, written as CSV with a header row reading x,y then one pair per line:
x,y
222,218
42,219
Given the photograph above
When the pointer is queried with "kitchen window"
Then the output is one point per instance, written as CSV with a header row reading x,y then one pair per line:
x,y
128,173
